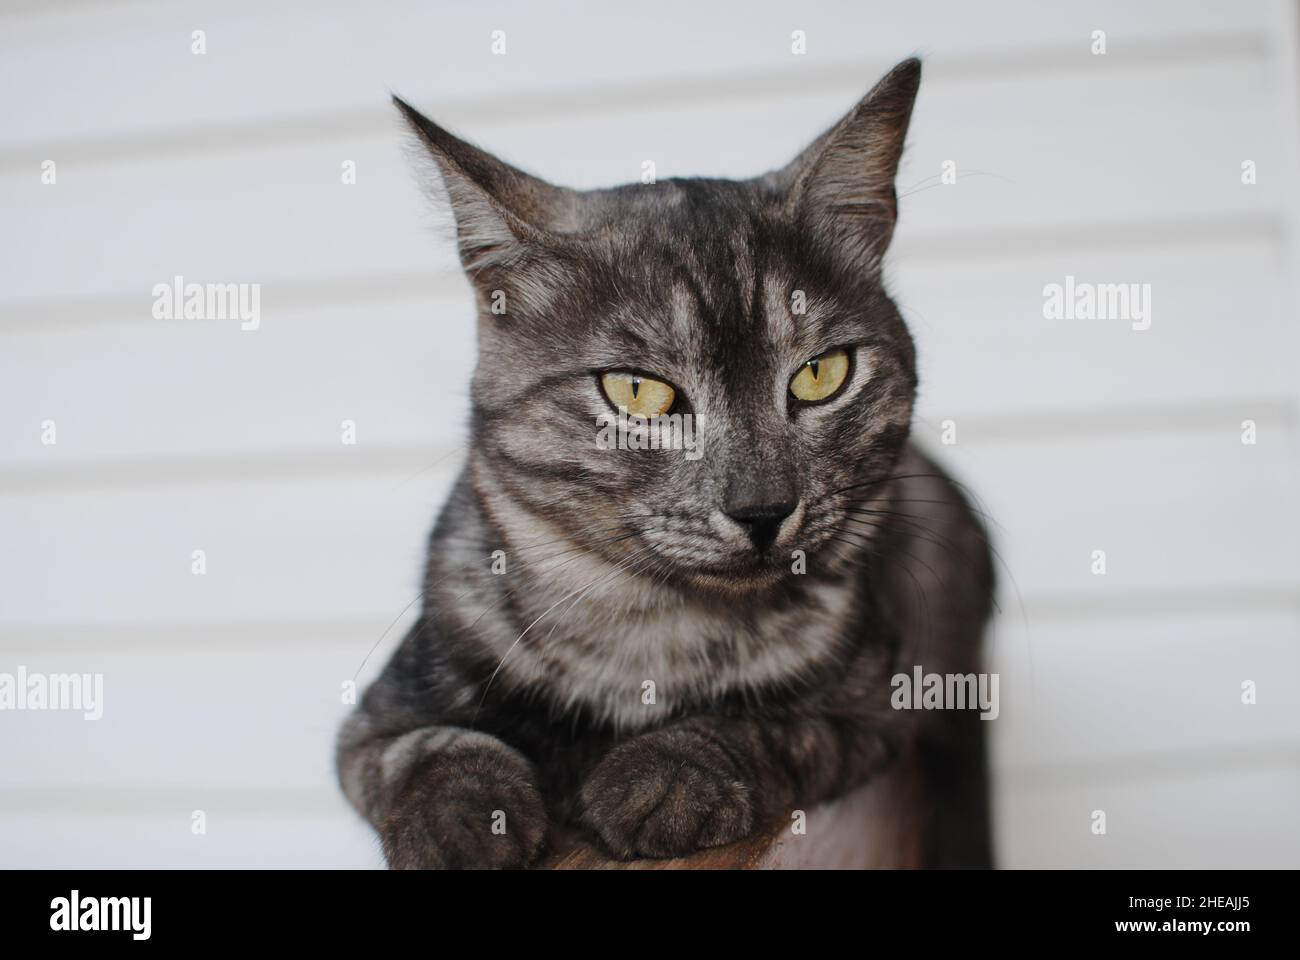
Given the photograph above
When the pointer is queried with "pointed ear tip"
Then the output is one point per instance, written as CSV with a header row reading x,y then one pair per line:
x,y
906,72
898,87
422,126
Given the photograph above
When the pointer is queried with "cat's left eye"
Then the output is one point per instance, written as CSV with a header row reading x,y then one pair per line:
x,y
820,377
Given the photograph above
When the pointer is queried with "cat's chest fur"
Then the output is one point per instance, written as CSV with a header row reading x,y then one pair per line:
x,y
610,639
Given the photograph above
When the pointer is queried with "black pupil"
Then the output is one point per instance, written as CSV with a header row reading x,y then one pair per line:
x,y
636,386
813,365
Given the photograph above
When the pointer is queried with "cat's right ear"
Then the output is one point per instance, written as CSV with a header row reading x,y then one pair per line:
x,y
502,214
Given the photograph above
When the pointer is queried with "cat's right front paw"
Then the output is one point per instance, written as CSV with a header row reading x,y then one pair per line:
x,y
473,806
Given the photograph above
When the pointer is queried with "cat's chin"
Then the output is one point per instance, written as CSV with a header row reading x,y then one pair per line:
x,y
740,577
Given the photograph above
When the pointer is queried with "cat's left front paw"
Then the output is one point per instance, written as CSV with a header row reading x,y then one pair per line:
x,y
666,793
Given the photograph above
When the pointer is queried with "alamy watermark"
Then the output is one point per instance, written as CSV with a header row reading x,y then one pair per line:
x,y
1098,301
666,431
946,691
53,691
126,914
179,300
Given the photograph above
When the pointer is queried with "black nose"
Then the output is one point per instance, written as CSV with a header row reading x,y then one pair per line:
x,y
761,521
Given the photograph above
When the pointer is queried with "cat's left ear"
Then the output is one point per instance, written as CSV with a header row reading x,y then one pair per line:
x,y
842,185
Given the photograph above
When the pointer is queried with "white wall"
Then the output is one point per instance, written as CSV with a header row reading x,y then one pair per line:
x,y
1120,692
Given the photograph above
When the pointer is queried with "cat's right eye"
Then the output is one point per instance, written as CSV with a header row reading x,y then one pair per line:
x,y
637,394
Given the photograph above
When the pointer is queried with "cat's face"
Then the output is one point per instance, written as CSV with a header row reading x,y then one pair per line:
x,y
744,320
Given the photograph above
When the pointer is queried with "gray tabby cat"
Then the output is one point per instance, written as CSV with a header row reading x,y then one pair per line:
x,y
674,650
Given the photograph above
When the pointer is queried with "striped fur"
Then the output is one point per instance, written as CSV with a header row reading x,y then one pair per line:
x,y
639,666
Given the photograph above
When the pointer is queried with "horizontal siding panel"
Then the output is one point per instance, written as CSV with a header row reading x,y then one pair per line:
x,y
1198,816
1242,818
326,547
190,388
1174,511
400,371
1180,511
245,715
986,349
345,53
190,718
37,841
1094,690
280,214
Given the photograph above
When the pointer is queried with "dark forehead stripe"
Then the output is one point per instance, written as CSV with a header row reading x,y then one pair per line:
x,y
725,279
758,267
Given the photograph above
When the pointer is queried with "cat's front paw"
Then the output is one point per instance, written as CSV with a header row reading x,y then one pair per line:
x,y
666,793
474,806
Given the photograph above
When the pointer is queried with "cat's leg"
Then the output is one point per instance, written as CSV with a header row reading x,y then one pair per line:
x,y
442,796
707,781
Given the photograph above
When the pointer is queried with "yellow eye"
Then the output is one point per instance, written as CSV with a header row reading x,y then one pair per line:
x,y
639,395
821,376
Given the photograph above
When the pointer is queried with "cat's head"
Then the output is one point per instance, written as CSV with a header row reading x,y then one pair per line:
x,y
753,308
